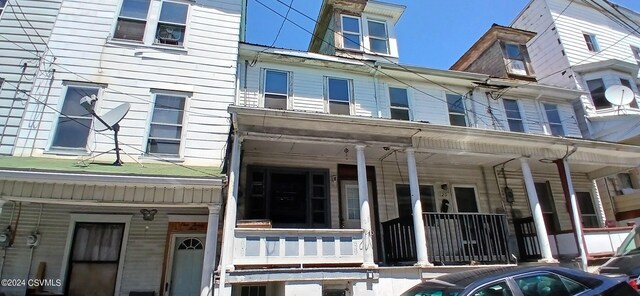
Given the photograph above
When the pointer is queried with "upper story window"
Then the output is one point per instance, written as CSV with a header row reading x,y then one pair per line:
x,y
135,24
636,53
165,131
627,83
553,119
378,37
596,88
351,32
339,95
276,89
74,122
588,213
3,3
399,103
514,117
592,42
516,62
457,114
132,20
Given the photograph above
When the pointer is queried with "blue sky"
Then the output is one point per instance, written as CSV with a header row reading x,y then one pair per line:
x,y
431,33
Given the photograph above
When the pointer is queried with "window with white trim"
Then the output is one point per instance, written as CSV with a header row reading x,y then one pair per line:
x,y
351,32
592,42
596,89
339,95
636,53
514,117
553,119
515,60
378,36
457,114
399,103
172,23
132,20
627,83
587,210
165,131
74,122
276,89
3,3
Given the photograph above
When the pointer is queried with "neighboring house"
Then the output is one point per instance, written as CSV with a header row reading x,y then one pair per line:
x,y
592,45
69,215
353,175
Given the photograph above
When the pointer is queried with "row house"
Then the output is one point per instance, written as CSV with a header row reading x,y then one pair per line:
x,y
351,174
146,83
594,46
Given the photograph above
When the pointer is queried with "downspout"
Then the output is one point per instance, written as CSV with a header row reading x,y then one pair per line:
x,y
375,88
32,248
243,21
244,83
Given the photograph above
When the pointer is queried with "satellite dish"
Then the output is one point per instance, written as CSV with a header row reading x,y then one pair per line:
x,y
112,117
619,95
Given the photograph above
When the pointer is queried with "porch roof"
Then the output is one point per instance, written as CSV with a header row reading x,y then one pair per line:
x,y
496,146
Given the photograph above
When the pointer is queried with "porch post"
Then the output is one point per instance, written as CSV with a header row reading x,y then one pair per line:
x,y
211,242
230,216
416,206
365,213
575,211
538,218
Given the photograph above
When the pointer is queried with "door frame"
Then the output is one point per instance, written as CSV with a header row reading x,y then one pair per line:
x,y
455,198
170,255
343,201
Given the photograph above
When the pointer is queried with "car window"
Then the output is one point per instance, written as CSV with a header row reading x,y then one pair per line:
x,y
542,284
429,291
494,289
574,287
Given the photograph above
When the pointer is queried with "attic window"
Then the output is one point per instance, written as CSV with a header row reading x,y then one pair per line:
x,y
516,62
378,37
351,32
592,42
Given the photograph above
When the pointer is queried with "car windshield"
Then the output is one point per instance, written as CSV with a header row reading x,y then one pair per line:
x,y
631,244
432,291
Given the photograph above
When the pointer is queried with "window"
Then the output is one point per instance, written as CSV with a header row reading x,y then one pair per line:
x,y
165,132
172,23
339,96
399,102
514,118
378,37
627,83
553,119
495,289
132,20
276,89
587,210
457,115
596,88
253,291
74,122
427,199
516,62
549,284
351,32
592,42
634,49
3,3
548,206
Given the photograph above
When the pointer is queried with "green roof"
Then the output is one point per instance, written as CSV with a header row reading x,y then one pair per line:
x,y
130,168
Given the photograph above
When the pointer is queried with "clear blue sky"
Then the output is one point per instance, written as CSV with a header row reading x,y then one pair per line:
x,y
431,33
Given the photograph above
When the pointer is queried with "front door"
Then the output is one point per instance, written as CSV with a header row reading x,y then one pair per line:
x,y
184,275
350,203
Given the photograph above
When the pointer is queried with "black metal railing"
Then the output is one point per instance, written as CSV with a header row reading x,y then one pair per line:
x,y
460,238
527,237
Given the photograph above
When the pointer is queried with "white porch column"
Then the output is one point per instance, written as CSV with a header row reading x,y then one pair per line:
x,y
365,213
208,263
575,211
230,216
416,206
538,218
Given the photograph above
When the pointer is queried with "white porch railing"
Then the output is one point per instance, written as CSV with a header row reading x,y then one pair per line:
x,y
274,246
604,241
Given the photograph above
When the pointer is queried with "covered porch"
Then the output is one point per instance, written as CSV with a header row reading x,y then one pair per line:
x,y
319,190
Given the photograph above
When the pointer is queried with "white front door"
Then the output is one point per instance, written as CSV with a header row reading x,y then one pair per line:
x,y
185,272
351,203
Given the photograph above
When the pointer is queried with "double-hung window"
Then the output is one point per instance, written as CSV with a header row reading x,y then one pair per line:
x,y
587,210
516,62
132,20
378,37
339,95
74,122
3,3
172,23
351,32
457,115
165,131
627,83
514,117
553,119
276,89
596,88
592,42
399,103
634,49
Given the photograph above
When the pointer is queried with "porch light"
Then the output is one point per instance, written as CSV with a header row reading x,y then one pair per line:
x,y
148,215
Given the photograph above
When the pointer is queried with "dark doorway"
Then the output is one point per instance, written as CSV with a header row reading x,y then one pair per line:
x,y
288,196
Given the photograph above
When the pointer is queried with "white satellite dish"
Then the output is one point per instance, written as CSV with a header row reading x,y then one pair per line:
x,y
112,117
619,95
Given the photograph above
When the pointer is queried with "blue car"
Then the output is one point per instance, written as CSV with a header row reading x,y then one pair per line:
x,y
523,281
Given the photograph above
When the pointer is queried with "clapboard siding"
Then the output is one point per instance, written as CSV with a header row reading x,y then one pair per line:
x,y
15,50
205,68
143,257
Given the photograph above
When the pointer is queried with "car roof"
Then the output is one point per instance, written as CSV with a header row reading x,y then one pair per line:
x,y
465,278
